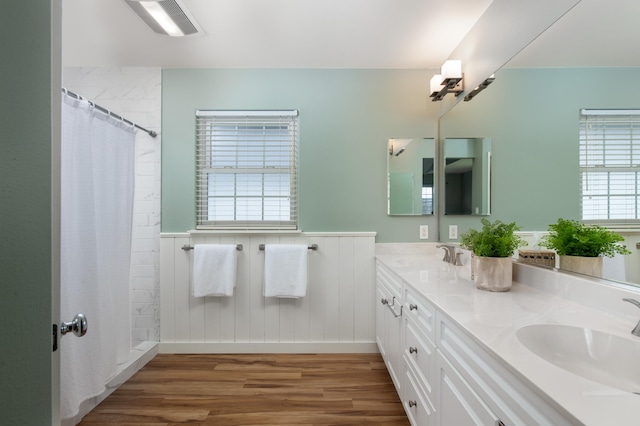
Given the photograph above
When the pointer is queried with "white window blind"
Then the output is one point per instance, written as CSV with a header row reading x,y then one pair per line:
x,y
246,169
609,164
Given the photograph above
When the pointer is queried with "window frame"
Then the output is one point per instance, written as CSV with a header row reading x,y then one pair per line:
x,y
602,152
240,145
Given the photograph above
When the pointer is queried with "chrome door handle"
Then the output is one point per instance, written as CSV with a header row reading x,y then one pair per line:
x,y
78,326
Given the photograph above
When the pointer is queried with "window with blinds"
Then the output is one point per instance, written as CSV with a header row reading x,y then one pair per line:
x,y
246,169
609,164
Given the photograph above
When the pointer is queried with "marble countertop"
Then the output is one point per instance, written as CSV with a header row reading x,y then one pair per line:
x,y
492,319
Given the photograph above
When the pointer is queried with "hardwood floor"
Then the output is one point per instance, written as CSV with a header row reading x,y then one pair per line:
x,y
263,389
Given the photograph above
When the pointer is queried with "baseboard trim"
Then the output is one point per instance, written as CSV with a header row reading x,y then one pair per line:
x,y
285,348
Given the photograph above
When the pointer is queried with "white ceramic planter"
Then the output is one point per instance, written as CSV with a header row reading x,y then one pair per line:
x,y
493,273
582,265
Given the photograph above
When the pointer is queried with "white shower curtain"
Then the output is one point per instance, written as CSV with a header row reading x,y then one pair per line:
x,y
98,154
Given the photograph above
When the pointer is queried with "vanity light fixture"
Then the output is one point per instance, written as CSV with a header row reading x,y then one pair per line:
x,y
480,88
448,81
397,146
167,17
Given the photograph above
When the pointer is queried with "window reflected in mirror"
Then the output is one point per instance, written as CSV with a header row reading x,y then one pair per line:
x,y
410,176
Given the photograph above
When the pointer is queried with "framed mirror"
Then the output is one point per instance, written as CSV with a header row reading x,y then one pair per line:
x,y
410,176
467,176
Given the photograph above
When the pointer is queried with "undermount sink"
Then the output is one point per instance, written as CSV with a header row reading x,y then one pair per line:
x,y
595,355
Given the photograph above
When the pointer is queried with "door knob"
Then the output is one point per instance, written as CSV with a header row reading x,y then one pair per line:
x,y
78,326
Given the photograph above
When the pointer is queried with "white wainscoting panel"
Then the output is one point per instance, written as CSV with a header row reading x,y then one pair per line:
x,y
337,315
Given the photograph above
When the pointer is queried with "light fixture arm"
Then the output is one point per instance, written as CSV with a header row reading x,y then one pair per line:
x,y
480,88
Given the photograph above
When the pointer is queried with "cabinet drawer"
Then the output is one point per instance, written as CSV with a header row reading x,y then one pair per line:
x,y
457,403
389,280
416,404
421,312
419,353
505,394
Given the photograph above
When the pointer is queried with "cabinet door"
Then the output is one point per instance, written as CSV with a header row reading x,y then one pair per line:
x,y
394,338
389,332
381,332
416,403
456,403
395,344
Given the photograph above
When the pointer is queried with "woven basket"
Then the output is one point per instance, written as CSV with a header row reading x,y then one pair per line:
x,y
538,257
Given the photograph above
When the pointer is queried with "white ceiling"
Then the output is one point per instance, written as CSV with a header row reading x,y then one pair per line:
x,y
595,33
418,34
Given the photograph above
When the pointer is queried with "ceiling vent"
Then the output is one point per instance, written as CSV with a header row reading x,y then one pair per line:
x,y
167,17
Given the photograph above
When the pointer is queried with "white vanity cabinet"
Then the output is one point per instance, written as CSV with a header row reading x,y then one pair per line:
x,y
442,375
405,331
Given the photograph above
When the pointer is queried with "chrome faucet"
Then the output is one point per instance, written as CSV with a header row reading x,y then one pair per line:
x,y
636,330
449,253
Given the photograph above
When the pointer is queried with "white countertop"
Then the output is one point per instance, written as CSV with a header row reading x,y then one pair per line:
x,y
492,320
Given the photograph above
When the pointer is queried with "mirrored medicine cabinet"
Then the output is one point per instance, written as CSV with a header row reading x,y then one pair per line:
x,y
413,176
410,176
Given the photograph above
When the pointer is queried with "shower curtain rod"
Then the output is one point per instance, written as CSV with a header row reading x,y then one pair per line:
x,y
151,133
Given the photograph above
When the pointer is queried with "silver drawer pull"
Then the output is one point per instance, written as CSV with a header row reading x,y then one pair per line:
x,y
390,306
412,403
413,307
413,350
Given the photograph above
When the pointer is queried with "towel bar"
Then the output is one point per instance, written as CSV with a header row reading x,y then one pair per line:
x,y
187,248
311,247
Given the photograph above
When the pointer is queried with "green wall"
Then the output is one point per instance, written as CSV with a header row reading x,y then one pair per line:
x,y
346,118
25,213
531,116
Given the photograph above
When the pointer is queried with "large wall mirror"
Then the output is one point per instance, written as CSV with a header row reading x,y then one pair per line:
x,y
410,176
531,113
467,176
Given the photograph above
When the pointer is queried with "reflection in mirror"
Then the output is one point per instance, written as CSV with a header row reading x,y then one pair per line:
x,y
536,136
531,112
410,176
467,176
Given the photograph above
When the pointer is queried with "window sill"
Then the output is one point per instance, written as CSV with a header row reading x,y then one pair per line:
x,y
244,231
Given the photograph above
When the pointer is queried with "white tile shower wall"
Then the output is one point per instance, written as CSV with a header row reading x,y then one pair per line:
x,y
135,93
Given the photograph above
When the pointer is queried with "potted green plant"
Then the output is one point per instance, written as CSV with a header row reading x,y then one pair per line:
x,y
493,247
581,247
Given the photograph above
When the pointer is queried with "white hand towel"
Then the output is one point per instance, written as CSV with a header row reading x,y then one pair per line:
x,y
214,269
285,270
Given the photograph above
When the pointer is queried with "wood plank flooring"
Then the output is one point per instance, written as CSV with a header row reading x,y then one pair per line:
x,y
250,389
